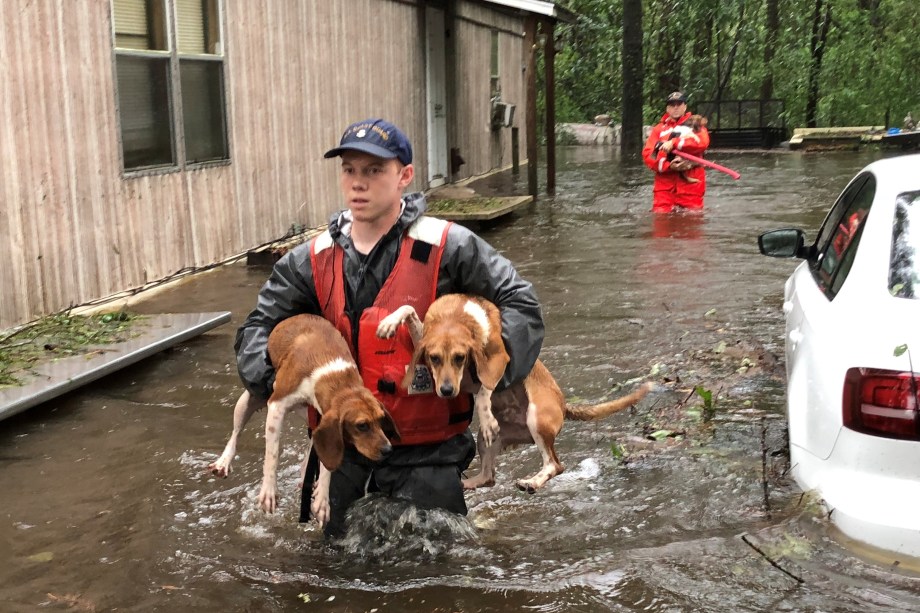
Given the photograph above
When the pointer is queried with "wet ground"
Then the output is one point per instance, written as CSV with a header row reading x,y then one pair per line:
x,y
678,505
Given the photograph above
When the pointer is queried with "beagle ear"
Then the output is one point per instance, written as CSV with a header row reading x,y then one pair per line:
x,y
329,441
388,425
490,363
417,356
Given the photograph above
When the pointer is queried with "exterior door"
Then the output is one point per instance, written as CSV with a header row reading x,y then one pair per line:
x,y
437,98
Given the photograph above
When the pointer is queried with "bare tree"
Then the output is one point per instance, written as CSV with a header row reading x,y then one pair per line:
x,y
820,26
769,48
633,75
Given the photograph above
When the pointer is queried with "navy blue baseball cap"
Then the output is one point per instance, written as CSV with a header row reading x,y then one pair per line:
x,y
377,137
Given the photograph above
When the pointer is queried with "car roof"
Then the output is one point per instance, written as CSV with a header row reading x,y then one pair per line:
x,y
905,169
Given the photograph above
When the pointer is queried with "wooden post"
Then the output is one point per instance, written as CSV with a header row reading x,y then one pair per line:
x,y
515,151
549,55
530,87
450,75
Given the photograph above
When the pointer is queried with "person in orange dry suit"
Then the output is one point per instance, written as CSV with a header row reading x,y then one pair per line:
x,y
678,183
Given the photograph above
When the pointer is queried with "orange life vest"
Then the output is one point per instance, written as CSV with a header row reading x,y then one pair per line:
x,y
420,415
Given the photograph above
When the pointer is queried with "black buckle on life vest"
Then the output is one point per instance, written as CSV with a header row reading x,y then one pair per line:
x,y
386,387
420,251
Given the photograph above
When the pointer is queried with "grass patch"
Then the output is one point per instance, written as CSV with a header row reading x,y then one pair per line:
x,y
59,336
465,205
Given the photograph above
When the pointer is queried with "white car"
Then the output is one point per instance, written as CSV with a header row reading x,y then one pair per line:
x,y
853,355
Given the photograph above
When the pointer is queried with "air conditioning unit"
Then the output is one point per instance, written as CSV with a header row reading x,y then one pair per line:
x,y
502,115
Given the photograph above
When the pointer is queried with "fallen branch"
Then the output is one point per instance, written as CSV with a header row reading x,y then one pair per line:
x,y
768,559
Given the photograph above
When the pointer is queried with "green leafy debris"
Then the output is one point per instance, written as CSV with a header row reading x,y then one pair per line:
x,y
465,205
59,336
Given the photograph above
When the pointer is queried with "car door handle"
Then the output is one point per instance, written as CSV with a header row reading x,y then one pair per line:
x,y
795,337
787,307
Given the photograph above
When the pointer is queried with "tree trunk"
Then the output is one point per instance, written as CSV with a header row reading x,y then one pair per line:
x,y
820,25
772,34
726,75
631,135
670,57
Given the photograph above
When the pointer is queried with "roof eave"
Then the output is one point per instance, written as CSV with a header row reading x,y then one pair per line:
x,y
538,7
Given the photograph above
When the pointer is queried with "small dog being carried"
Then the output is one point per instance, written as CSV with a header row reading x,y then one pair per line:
x,y
689,130
460,342
313,366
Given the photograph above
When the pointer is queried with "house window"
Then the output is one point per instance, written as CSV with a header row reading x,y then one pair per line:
x,y
495,87
170,78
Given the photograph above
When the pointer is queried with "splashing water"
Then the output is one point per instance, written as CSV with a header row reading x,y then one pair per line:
x,y
392,528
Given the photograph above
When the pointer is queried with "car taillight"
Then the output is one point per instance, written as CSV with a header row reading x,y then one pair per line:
x,y
882,403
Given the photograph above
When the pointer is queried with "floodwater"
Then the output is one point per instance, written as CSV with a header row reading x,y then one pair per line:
x,y
107,505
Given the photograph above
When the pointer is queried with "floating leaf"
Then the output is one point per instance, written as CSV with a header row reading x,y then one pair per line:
x,y
705,394
720,347
616,451
710,312
44,556
660,434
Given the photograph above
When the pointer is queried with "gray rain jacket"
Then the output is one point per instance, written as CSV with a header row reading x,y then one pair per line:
x,y
469,265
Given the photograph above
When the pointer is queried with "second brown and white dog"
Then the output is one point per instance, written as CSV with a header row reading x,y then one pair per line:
x,y
463,332
313,366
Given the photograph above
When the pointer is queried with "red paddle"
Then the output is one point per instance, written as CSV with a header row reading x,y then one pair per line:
x,y
702,162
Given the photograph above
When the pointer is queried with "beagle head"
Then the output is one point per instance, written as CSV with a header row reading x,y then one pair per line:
x,y
355,418
697,122
449,349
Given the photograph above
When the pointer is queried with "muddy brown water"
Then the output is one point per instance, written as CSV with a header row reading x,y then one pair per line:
x,y
106,504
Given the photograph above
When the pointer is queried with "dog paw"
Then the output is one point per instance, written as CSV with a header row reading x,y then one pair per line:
x,y
220,468
389,324
268,498
488,428
321,510
527,486
477,482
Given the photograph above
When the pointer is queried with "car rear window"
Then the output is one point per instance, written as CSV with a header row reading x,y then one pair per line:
x,y
904,269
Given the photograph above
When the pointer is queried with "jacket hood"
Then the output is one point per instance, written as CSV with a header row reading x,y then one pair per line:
x,y
667,120
414,206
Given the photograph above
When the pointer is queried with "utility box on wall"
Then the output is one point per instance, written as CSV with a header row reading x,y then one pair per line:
x,y
502,115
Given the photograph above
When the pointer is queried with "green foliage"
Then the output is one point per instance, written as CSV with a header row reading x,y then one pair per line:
x,y
867,73
564,136
709,405
57,336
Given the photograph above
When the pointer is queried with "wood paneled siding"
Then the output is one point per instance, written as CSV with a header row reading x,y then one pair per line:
x,y
482,148
78,229
297,73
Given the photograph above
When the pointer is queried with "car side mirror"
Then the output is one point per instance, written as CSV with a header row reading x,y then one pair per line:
x,y
785,243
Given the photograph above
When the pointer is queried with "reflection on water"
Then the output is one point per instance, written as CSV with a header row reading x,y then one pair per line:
x,y
680,224
108,505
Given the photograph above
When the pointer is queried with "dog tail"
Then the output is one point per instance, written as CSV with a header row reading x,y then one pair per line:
x,y
605,409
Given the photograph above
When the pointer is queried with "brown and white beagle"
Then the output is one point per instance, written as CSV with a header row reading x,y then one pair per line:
x,y
461,334
313,366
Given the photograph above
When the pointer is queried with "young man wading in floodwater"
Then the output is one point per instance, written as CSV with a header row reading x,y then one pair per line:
x,y
378,254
